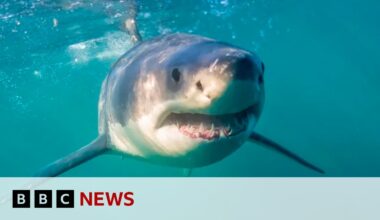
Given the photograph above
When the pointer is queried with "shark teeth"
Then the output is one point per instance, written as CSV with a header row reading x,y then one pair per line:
x,y
210,127
227,131
201,127
213,131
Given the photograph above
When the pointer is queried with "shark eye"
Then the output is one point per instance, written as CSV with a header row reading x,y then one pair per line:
x,y
176,75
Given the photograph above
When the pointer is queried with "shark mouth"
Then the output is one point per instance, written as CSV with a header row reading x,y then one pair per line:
x,y
210,127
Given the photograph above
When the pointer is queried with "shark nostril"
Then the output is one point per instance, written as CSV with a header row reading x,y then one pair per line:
x,y
243,68
261,79
199,86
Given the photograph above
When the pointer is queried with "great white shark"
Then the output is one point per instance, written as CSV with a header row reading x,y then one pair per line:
x,y
179,100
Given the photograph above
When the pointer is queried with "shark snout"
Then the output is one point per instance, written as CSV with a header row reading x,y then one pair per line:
x,y
229,85
241,67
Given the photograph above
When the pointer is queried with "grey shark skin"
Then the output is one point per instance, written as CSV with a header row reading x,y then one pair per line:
x,y
162,98
178,100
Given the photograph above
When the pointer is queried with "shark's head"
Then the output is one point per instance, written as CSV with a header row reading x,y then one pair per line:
x,y
193,102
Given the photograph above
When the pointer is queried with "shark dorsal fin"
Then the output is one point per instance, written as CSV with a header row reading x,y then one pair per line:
x,y
130,23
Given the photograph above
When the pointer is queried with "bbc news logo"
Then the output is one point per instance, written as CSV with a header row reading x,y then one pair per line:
x,y
43,198
66,198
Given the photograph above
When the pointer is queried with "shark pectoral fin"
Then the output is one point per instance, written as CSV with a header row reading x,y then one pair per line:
x,y
258,138
93,149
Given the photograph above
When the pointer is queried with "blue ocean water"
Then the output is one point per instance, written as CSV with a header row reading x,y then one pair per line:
x,y
322,80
